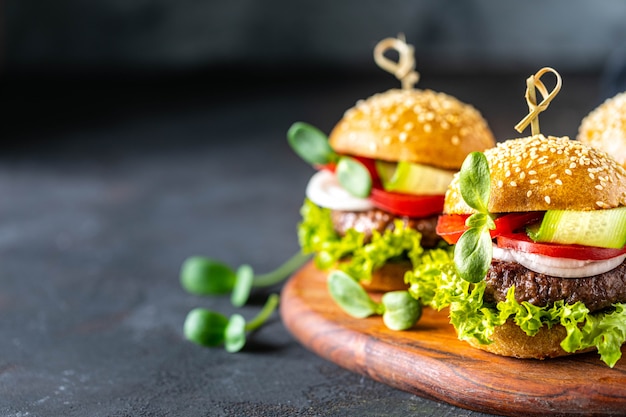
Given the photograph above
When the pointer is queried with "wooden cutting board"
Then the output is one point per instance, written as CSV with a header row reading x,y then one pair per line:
x,y
430,361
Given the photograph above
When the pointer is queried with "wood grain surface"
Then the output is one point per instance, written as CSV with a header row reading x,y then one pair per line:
x,y
429,360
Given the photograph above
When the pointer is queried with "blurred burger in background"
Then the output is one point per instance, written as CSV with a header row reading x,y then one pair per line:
x,y
605,128
371,208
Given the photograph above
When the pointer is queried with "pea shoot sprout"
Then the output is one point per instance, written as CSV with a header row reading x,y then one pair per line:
x,y
211,329
399,309
205,276
311,144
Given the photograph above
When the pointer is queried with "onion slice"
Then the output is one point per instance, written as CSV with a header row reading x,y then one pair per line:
x,y
324,190
558,267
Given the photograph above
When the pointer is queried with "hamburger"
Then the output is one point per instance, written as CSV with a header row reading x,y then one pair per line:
x,y
410,142
605,128
555,280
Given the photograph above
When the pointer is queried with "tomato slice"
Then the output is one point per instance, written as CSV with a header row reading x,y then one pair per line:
x,y
511,222
521,242
407,204
331,166
451,226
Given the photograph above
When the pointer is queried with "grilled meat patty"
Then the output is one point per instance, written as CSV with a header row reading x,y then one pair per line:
x,y
375,219
596,292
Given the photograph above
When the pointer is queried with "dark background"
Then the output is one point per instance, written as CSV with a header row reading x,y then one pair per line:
x,y
136,133
70,62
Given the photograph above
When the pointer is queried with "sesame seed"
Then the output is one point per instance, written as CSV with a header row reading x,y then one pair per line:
x,y
593,177
534,181
532,172
529,193
558,181
547,199
513,184
522,175
455,140
599,187
568,171
507,174
600,204
572,165
553,176
428,127
403,136
500,184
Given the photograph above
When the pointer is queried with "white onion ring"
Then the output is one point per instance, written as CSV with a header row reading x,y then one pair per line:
x,y
324,190
558,267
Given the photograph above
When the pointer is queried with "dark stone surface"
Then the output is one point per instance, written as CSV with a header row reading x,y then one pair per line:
x,y
105,190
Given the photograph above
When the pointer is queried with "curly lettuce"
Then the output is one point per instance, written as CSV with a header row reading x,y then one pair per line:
x,y
439,285
350,253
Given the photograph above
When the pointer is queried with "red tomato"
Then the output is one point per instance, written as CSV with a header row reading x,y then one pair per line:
x,y
509,223
521,242
451,226
331,166
407,204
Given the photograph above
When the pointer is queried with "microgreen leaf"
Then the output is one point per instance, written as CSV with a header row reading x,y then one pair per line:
x,y
205,327
235,333
402,311
480,220
474,181
209,328
353,177
243,286
310,143
350,295
204,276
472,254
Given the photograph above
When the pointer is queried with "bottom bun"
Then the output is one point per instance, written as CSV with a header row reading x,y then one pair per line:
x,y
389,277
510,340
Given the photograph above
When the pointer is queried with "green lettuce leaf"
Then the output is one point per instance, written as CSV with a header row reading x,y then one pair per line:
x,y
440,286
316,235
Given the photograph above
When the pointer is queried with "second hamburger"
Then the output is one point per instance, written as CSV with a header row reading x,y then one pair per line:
x,y
411,142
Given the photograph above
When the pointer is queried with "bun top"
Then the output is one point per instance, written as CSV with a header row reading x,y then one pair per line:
x,y
412,125
605,128
541,173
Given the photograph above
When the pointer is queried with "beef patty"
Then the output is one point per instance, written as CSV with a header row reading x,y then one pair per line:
x,y
596,292
375,219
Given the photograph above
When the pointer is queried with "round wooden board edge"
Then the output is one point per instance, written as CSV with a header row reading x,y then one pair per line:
x,y
343,341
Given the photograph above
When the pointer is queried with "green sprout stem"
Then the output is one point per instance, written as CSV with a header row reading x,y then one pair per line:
x,y
264,314
280,273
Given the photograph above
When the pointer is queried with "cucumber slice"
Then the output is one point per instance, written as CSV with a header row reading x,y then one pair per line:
x,y
601,228
411,178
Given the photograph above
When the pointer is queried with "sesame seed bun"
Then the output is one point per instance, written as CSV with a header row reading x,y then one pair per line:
x,y
605,128
510,340
541,173
419,126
